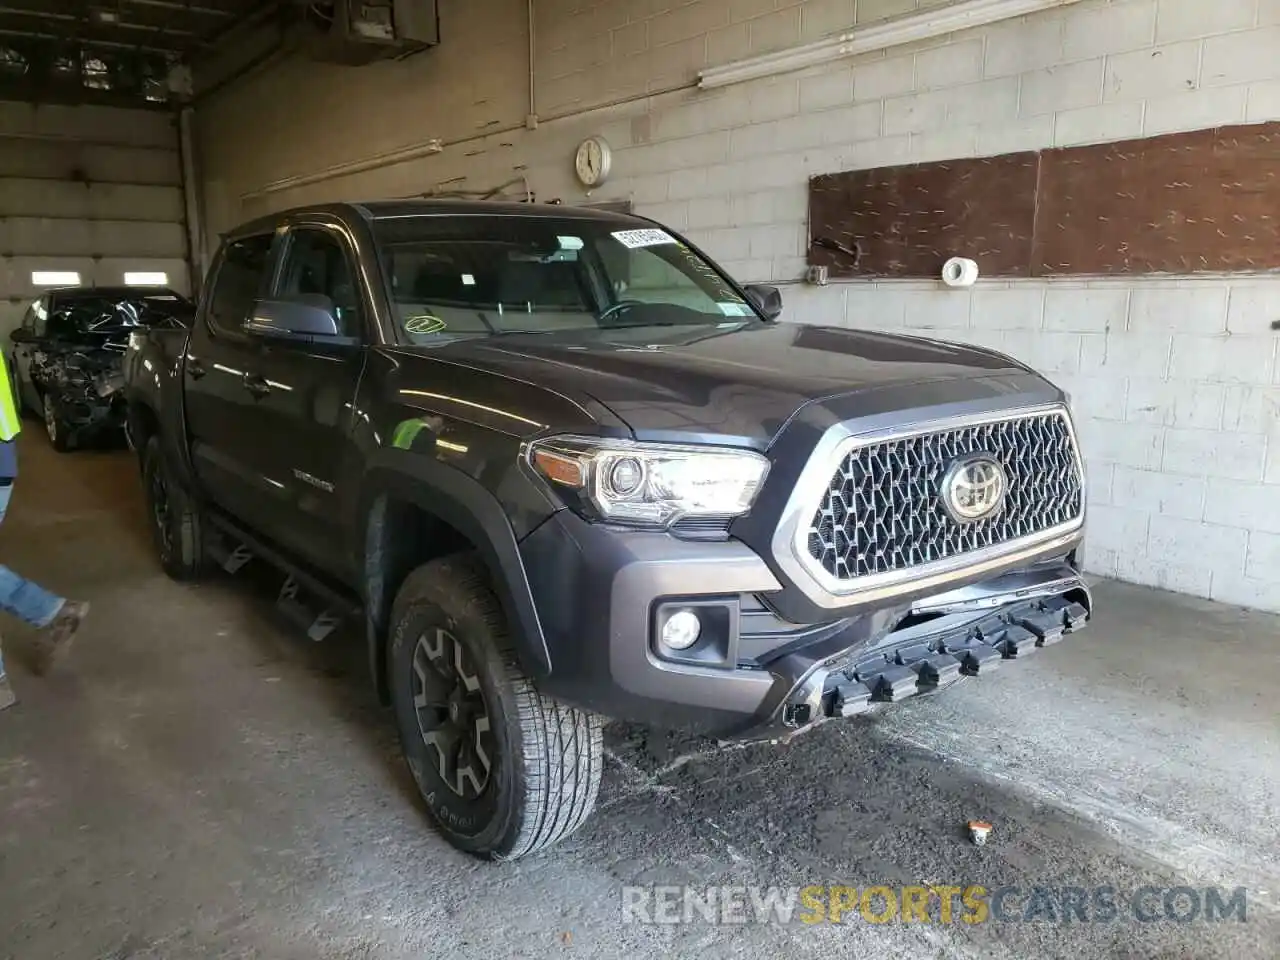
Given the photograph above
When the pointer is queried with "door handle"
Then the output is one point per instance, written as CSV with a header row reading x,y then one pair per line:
x,y
256,384
195,368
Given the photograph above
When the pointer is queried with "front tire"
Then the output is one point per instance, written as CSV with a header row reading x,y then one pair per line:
x,y
176,526
59,433
504,770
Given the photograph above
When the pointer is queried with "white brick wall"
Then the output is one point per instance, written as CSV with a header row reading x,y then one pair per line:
x,y
1175,382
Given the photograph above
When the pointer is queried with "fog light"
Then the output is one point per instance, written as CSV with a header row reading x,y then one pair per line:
x,y
681,630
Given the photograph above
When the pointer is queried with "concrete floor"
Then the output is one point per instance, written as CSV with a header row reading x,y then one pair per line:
x,y
201,782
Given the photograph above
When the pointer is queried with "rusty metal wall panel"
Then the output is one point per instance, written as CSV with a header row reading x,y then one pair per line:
x,y
1185,203
907,221
1207,201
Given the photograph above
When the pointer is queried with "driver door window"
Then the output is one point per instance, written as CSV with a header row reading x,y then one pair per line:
x,y
316,263
237,282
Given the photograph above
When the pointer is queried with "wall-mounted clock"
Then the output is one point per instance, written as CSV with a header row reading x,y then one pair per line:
x,y
593,161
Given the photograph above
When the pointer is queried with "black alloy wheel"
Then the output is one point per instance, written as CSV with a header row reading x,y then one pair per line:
x,y
161,518
453,718
176,524
504,770
59,434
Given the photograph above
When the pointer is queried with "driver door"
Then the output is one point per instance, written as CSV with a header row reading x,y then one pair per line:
x,y
304,397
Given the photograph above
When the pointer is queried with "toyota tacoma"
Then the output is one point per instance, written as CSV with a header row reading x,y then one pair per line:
x,y
561,468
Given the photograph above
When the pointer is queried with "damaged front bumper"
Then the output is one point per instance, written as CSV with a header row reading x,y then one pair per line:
x,y
968,632
91,404
602,597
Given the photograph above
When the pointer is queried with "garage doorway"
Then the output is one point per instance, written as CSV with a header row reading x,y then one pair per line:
x,y
89,195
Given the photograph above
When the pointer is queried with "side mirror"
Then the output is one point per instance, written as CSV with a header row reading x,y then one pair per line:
x,y
767,299
306,317
21,335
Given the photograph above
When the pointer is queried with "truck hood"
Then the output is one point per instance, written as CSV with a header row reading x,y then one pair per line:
x,y
734,381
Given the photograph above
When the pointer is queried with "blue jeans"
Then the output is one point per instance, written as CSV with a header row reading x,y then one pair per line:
x,y
20,597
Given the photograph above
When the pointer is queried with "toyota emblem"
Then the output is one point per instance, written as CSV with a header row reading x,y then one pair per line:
x,y
974,488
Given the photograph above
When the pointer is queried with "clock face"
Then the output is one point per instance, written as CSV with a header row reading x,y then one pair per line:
x,y
593,161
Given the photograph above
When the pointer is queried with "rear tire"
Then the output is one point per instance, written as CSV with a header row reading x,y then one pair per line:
x,y
504,770
176,524
59,433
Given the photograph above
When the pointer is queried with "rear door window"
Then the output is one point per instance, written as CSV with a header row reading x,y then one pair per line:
x,y
239,282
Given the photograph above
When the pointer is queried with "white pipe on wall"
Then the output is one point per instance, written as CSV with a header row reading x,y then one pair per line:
x,y
878,36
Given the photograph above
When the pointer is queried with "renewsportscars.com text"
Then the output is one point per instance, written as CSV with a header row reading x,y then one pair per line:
x,y
942,904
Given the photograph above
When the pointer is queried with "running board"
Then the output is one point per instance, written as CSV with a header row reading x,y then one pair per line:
x,y
317,624
304,599
230,560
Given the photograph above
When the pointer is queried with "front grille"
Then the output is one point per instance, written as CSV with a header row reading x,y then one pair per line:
x,y
883,510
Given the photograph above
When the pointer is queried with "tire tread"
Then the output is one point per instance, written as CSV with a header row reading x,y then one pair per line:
x,y
190,563
562,746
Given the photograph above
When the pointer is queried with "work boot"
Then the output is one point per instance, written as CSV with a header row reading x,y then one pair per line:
x,y
55,640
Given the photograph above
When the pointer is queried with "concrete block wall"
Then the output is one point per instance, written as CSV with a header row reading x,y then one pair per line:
x,y
1175,381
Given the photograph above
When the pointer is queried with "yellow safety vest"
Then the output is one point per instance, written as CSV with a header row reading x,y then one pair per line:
x,y
10,422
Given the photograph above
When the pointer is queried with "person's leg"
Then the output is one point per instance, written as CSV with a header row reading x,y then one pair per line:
x,y
57,617
28,601
19,596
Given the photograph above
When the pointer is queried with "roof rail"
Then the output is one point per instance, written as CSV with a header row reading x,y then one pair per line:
x,y
497,193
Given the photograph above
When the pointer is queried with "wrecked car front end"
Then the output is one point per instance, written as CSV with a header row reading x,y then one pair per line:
x,y
77,369
84,388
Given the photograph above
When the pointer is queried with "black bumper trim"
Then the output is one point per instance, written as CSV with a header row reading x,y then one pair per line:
x,y
894,672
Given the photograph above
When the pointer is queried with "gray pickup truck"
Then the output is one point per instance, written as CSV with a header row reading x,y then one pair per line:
x,y
563,468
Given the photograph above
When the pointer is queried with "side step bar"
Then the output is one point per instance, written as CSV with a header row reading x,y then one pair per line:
x,y
305,599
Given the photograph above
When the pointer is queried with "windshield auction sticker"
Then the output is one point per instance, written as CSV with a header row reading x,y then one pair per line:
x,y
633,239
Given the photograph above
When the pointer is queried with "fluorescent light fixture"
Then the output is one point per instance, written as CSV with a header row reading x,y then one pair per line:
x,y
876,36
144,278
55,278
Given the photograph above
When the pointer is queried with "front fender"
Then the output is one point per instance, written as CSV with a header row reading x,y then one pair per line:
x,y
153,382
461,502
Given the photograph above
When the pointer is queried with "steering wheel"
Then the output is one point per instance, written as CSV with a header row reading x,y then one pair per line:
x,y
618,307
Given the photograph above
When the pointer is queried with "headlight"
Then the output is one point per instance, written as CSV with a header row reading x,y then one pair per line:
x,y
651,484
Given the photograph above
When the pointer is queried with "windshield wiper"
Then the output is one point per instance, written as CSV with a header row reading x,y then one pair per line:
x,y
661,323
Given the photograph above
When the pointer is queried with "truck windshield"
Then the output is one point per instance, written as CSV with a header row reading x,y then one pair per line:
x,y
511,274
